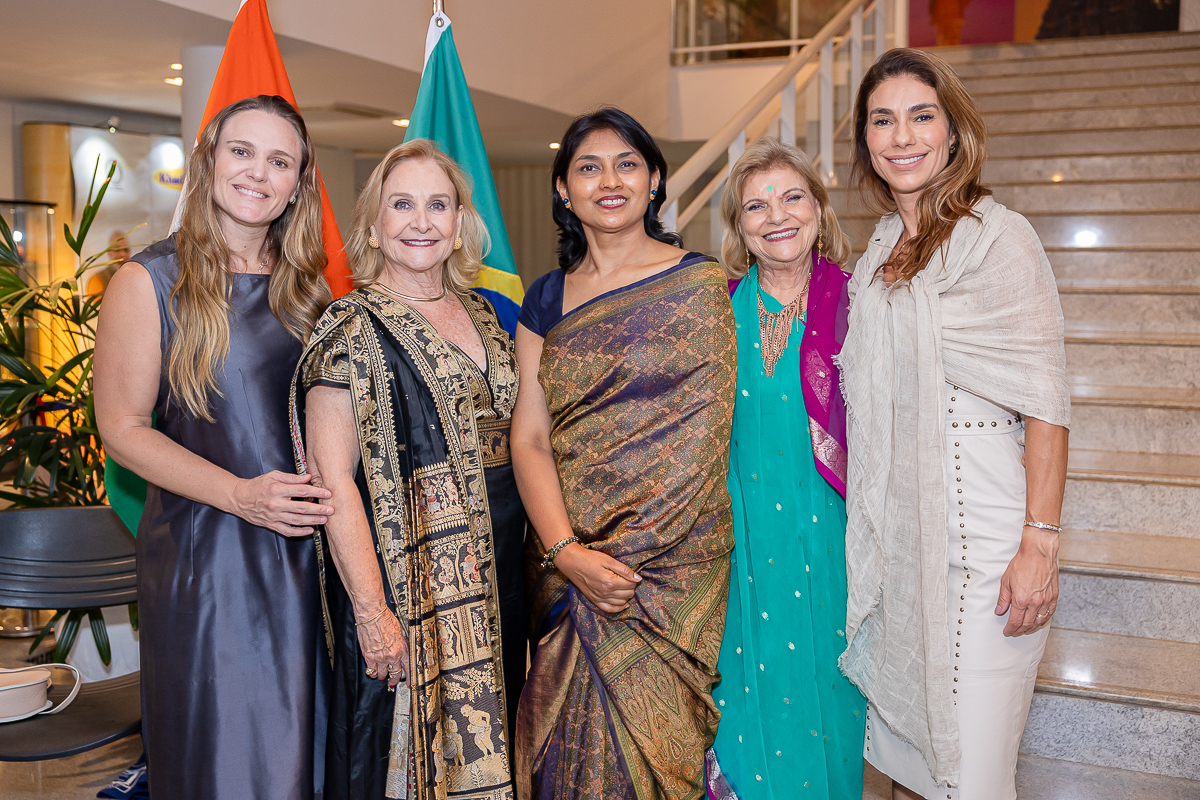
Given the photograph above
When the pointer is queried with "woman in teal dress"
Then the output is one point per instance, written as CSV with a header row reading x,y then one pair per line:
x,y
791,724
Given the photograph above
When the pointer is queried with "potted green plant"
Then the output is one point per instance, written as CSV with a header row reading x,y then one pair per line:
x,y
49,441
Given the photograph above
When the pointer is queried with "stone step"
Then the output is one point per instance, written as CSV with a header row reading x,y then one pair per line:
x,y
1118,701
1123,266
1145,397
1138,76
1095,141
1129,584
1039,67
1141,229
1155,229
1141,195
1099,166
1113,554
1053,779
1049,196
1167,310
1096,97
1124,360
1136,429
1133,492
1057,48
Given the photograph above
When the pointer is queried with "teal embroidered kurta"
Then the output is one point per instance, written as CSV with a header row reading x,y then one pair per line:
x,y
791,724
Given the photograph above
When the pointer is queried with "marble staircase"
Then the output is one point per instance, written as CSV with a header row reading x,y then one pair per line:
x,y
1097,142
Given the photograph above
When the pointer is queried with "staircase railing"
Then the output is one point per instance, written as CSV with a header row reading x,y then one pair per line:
x,y
823,75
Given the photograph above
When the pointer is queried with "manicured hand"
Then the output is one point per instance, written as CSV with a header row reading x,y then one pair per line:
x,y
277,500
605,582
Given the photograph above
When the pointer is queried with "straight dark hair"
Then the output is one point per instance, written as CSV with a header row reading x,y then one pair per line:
x,y
572,244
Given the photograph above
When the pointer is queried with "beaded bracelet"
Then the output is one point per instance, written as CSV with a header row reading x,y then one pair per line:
x,y
558,548
1043,526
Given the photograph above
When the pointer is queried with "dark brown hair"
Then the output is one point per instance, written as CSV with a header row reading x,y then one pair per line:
x,y
955,190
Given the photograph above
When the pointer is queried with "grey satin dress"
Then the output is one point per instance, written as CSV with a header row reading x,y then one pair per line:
x,y
229,611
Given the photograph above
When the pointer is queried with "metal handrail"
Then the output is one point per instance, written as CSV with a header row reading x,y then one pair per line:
x,y
777,98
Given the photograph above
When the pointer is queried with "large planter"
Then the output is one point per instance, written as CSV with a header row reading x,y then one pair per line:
x,y
121,637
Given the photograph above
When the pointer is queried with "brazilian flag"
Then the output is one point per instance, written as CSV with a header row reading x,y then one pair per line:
x,y
444,113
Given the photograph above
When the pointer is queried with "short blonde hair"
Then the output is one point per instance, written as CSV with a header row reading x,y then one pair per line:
x,y
462,268
763,155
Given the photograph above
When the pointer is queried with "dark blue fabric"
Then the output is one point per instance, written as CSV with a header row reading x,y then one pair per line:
x,y
542,309
131,784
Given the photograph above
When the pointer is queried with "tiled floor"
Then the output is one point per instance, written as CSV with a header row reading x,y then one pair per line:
x,y
72,778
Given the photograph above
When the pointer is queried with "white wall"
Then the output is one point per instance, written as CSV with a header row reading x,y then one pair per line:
x,y
565,55
337,171
705,96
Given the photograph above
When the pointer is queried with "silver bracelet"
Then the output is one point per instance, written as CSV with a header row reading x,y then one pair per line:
x,y
558,548
1043,526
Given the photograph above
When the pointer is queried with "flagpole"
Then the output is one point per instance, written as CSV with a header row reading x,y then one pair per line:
x,y
439,10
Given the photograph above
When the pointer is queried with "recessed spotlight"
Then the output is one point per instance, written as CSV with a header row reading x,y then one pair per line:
x,y
1056,177
1086,238
177,66
18,236
555,145
174,81
400,123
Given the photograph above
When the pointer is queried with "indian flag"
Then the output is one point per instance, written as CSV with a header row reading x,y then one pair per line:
x,y
444,113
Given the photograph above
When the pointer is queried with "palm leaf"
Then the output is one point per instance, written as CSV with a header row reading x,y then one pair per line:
x,y
100,635
46,630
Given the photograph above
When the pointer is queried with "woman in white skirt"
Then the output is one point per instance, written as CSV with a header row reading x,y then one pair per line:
x,y
955,382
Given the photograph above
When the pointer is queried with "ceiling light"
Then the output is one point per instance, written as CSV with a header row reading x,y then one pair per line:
x,y
400,123
18,236
554,145
177,66
174,81
1086,238
1056,177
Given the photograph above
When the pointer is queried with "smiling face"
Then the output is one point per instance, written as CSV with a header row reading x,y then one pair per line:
x,y
419,217
780,218
608,183
256,169
908,134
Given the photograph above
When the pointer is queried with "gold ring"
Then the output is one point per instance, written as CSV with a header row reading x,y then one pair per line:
x,y
372,672
1043,615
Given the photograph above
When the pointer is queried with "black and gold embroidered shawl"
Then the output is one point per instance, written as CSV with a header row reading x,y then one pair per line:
x,y
426,499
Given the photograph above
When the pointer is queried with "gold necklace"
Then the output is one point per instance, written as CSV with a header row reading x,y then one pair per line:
x,y
774,328
394,293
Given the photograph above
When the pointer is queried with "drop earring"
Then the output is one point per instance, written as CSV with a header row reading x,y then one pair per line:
x,y
653,194
567,203
820,246
373,242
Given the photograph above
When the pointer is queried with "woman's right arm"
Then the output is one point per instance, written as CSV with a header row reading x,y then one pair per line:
x,y
606,582
332,436
127,369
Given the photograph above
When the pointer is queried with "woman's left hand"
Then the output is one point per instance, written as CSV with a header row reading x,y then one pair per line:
x,y
1029,587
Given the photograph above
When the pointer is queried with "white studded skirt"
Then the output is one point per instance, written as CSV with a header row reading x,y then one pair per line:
x,y
994,675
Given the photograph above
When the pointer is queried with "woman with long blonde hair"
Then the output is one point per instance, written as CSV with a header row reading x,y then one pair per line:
x,y
402,407
954,375
197,340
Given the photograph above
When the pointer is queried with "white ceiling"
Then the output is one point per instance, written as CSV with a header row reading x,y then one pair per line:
x,y
116,53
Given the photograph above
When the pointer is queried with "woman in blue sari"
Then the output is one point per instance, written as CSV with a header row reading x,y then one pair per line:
x,y
789,719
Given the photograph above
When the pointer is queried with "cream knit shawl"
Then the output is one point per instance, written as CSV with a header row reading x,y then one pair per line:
x,y
984,315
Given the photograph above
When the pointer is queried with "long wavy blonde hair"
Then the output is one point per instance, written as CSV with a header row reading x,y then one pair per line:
x,y
955,190
200,297
762,156
462,268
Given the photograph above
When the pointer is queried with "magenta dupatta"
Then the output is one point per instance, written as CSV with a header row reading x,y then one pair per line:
x,y
825,330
